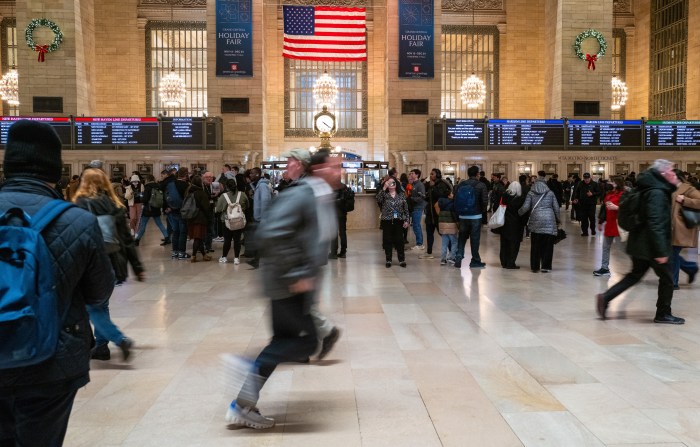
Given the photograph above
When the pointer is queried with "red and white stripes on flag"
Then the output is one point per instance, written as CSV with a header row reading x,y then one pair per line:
x,y
325,33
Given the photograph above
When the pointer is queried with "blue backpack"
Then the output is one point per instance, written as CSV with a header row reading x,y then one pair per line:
x,y
466,203
172,196
29,317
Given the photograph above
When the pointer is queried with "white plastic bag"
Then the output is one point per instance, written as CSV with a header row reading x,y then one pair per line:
x,y
498,219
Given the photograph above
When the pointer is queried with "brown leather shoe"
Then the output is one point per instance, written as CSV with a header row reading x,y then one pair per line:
x,y
206,258
193,259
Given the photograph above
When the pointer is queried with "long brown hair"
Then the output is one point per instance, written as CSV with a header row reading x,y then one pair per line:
x,y
92,183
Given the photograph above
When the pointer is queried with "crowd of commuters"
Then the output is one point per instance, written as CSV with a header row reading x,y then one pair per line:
x,y
290,231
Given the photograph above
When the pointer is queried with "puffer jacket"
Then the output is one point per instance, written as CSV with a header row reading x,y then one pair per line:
x,y
653,239
682,235
544,216
289,240
83,276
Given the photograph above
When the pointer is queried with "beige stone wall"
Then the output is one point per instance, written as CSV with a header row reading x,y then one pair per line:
x,y
638,62
523,60
119,59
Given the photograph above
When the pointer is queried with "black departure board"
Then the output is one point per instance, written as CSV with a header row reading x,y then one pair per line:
x,y
612,133
61,126
464,133
672,133
526,132
105,131
186,131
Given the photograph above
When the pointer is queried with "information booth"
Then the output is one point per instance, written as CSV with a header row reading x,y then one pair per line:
x,y
351,175
372,173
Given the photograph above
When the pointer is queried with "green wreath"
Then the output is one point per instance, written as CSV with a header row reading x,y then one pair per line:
x,y
57,35
585,35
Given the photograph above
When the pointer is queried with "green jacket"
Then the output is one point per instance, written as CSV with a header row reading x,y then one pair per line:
x,y
653,239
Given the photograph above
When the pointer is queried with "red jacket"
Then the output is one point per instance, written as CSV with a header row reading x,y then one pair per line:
x,y
611,215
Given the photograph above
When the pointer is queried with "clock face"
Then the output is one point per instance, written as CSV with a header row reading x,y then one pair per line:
x,y
324,123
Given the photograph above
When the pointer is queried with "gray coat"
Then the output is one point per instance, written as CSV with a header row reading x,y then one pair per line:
x,y
545,216
289,239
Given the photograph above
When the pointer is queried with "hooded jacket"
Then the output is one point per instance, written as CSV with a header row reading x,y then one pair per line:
x,y
544,216
653,239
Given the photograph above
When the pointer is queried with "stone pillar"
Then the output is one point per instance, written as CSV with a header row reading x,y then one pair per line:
x,y
570,80
67,72
692,95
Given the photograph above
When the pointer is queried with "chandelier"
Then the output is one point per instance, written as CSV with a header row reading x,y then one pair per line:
x,y
9,84
9,87
172,88
473,91
325,90
619,93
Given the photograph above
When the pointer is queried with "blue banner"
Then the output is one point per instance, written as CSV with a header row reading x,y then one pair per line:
x,y
234,38
416,39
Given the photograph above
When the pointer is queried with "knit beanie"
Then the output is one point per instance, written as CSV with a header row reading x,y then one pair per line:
x,y
33,150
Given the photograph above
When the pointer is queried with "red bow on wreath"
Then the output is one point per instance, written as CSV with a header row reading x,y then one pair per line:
x,y
43,49
591,58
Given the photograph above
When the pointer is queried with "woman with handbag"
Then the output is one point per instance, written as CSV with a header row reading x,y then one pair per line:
x,y
512,230
394,218
543,224
448,228
686,196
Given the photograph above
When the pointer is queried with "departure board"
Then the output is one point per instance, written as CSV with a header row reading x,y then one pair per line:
x,y
464,132
185,131
612,133
526,133
116,131
61,126
672,133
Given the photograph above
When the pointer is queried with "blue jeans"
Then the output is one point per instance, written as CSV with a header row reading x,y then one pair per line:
x,y
469,229
144,221
179,232
678,263
451,241
416,216
105,329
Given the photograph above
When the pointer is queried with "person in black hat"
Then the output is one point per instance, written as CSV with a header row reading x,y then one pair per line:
x,y
36,400
585,197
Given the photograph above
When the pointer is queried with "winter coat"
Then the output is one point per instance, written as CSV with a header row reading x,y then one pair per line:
x,y
148,211
127,254
130,192
544,217
417,197
682,235
580,193
83,275
204,215
440,190
653,239
514,222
480,189
610,216
261,199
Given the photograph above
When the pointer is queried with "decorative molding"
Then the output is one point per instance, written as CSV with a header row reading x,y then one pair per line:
x,y
178,3
622,6
469,5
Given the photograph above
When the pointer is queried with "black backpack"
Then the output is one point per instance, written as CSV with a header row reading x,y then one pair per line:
x,y
630,216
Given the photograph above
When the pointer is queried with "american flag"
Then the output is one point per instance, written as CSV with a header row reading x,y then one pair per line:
x,y
324,33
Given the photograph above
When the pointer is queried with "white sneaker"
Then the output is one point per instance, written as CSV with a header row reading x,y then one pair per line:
x,y
418,247
248,417
236,261
223,260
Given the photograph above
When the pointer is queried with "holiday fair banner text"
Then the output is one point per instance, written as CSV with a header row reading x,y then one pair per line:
x,y
234,38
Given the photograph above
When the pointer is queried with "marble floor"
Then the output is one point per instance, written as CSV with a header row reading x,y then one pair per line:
x,y
429,356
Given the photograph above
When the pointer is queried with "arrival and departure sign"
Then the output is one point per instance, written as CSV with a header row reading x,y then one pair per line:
x,y
464,133
673,133
612,133
104,131
526,133
61,126
184,131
